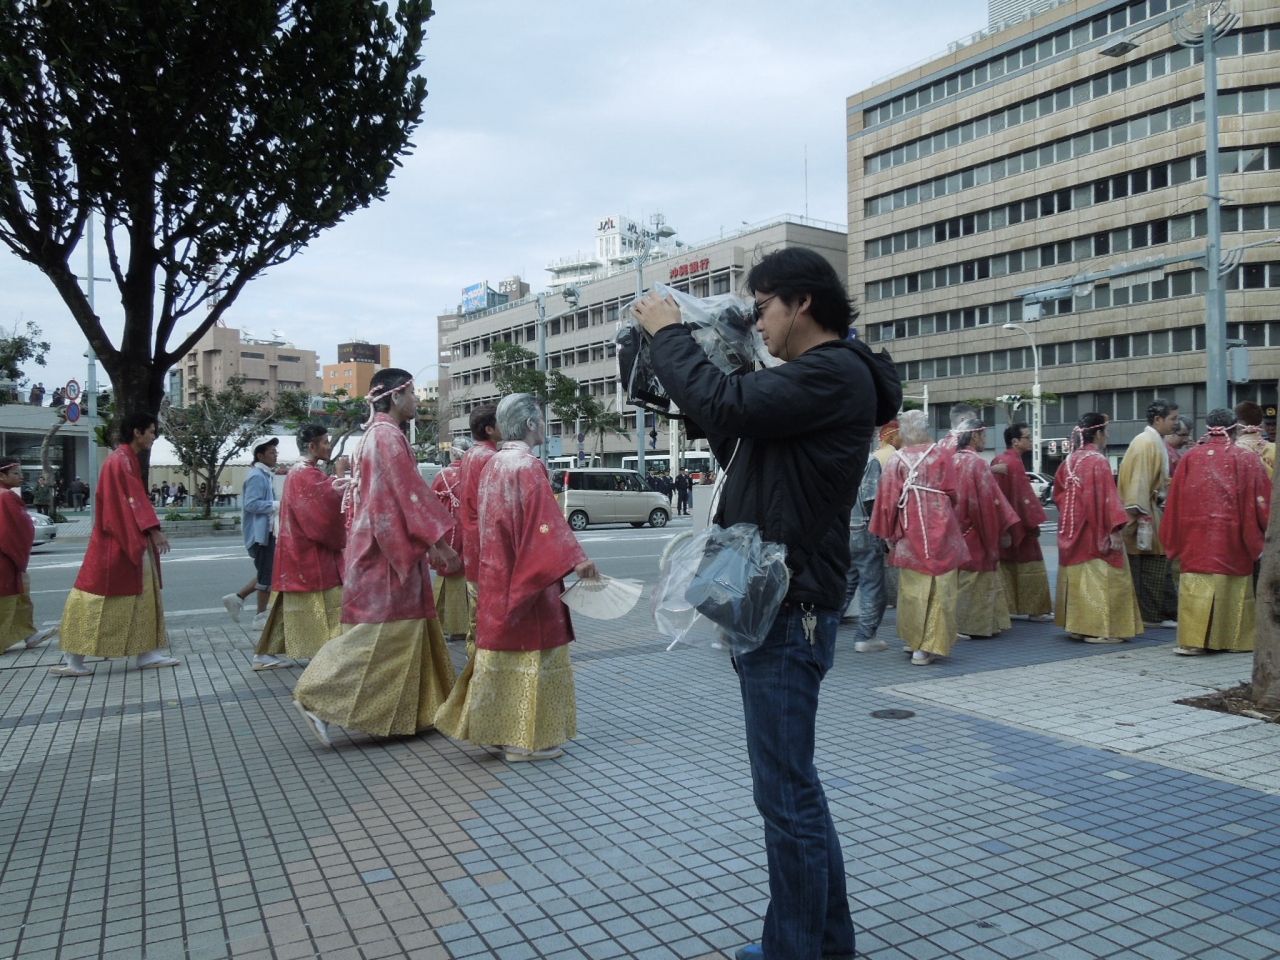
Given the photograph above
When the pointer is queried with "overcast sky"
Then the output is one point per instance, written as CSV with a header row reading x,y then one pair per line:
x,y
541,117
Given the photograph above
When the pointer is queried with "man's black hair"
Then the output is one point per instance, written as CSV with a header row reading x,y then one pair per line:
x,y
1222,417
1159,408
485,415
1248,413
387,378
309,434
1090,424
795,271
138,422
1014,432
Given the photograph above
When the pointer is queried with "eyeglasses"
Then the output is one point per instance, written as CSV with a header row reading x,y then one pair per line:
x,y
758,305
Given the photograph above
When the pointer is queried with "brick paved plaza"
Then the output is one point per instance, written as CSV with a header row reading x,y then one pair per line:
x,y
1047,799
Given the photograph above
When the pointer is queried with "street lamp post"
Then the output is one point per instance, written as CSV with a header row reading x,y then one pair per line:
x,y
571,296
1218,22
1036,456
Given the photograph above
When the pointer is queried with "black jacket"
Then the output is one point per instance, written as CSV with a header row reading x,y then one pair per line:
x,y
805,430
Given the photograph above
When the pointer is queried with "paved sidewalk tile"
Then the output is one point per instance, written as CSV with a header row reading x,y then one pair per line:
x,y
186,814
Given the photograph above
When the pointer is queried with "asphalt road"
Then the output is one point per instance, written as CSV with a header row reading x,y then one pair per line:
x,y
200,570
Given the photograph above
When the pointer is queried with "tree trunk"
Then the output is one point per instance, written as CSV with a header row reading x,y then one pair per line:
x,y
46,468
1266,650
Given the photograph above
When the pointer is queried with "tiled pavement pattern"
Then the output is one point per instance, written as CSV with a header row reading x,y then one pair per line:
x,y
185,814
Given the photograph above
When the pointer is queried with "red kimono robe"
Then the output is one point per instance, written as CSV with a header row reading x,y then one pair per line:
x,y
16,533
915,512
113,563
469,470
392,520
1215,520
447,486
1089,510
1016,488
526,549
982,512
312,532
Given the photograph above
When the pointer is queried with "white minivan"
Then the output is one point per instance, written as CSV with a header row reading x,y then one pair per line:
x,y
605,495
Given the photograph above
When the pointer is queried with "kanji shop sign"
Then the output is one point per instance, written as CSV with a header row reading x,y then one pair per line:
x,y
689,269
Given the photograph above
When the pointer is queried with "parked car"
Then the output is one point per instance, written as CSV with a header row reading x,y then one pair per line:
x,y
603,495
46,530
1042,484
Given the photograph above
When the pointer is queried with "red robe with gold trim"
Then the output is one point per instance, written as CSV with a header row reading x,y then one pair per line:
x,y
392,520
16,532
113,563
1089,510
312,532
1025,545
469,470
982,512
1215,520
526,549
447,486
923,531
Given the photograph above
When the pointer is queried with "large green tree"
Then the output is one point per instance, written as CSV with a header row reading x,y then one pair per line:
x,y
216,140
17,349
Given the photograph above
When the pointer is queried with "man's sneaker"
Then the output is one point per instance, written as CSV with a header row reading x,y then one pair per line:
x,y
234,605
870,646
922,659
260,620
1191,651
1169,624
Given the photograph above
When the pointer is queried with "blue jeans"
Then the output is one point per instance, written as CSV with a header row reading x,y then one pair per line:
x,y
866,570
808,914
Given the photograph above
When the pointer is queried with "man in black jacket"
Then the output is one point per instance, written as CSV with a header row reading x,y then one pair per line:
x,y
795,438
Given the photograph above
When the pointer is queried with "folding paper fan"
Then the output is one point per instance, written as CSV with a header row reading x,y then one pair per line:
x,y
602,599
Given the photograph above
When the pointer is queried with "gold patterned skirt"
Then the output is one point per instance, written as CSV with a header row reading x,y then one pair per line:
x,y
299,624
17,616
453,608
1097,600
116,626
981,608
472,593
927,610
513,698
384,679
1215,612
1026,588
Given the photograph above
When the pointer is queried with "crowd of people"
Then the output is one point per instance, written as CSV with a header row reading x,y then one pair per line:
x,y
1172,542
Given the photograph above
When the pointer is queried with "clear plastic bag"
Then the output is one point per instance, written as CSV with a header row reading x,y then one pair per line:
x,y
723,325
727,578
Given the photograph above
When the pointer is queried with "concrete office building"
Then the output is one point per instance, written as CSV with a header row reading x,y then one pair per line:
x,y
580,339
1025,156
268,366
357,362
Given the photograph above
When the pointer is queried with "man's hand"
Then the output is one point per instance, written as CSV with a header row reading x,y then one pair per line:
x,y
587,570
444,557
1117,541
158,540
654,313
340,466
1000,468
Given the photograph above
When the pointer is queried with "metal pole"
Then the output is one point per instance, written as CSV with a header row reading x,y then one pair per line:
x,y
1037,459
644,253
91,381
542,365
1215,305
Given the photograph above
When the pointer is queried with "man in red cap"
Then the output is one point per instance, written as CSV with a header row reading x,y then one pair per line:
x,y
17,615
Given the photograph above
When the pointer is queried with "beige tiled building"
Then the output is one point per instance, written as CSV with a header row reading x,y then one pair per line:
x,y
357,362
268,366
1025,156
580,340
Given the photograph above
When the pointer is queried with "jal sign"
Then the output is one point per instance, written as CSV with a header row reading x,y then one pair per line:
x,y
691,268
